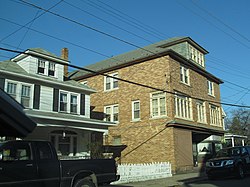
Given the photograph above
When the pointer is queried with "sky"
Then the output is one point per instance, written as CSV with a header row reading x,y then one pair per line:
x,y
94,30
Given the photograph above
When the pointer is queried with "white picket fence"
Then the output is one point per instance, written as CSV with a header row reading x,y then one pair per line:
x,y
142,172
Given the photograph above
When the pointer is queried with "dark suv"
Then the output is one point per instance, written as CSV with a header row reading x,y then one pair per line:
x,y
232,161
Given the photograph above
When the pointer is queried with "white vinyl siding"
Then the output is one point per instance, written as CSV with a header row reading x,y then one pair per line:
x,y
87,106
46,94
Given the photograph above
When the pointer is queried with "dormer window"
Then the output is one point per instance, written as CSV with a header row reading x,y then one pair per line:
x,y
41,66
196,56
46,68
51,69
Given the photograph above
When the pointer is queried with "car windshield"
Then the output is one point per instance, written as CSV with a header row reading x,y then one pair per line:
x,y
228,152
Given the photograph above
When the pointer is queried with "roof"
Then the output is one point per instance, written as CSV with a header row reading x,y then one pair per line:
x,y
44,118
15,69
13,120
155,49
38,52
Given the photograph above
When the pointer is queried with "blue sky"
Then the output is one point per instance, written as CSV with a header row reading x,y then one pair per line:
x,y
220,26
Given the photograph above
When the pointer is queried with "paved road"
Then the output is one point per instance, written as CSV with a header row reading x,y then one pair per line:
x,y
229,182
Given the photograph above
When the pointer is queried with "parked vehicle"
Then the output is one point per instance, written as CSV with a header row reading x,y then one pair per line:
x,y
232,161
35,163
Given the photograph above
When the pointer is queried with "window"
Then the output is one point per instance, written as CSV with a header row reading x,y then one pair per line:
x,y
25,96
11,89
215,115
65,142
73,104
46,68
41,66
183,107
111,82
184,75
63,102
210,87
116,140
158,104
201,111
111,113
44,151
135,110
18,152
196,56
21,92
51,71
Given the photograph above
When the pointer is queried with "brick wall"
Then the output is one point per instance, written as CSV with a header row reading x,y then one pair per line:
x,y
148,140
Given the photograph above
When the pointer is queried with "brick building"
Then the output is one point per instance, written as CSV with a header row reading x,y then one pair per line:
x,y
162,124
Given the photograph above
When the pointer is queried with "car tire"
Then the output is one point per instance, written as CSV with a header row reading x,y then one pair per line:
x,y
84,183
240,172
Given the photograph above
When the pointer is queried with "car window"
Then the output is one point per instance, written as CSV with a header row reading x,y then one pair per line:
x,y
16,152
244,151
228,152
44,151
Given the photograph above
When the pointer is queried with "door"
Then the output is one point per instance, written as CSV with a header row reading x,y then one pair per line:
x,y
17,165
48,165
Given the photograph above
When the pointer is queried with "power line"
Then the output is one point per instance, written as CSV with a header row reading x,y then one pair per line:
x,y
202,17
219,20
132,82
121,18
29,21
93,15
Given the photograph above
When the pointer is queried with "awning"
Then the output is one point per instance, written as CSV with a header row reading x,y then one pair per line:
x,y
197,128
64,120
13,120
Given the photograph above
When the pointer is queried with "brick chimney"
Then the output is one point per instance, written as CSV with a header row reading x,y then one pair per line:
x,y
65,56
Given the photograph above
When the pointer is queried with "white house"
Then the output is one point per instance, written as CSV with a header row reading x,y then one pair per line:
x,y
61,108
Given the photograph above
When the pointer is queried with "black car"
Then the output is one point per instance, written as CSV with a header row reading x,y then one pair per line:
x,y
232,161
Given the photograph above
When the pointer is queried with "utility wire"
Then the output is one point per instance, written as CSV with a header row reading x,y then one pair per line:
x,y
29,21
114,25
132,21
219,20
202,17
131,82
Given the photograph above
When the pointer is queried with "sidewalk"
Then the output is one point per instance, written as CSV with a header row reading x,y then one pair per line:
x,y
174,181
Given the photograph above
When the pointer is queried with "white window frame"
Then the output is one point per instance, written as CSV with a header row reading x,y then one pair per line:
x,y
215,115
41,64
18,95
196,56
69,94
201,111
158,112
183,107
112,81
48,66
136,110
184,75
210,87
26,95
112,113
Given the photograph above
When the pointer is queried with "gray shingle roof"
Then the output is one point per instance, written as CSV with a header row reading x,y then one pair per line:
x,y
10,66
134,55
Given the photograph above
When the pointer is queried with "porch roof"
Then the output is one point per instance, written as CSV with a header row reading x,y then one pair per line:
x,y
63,120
